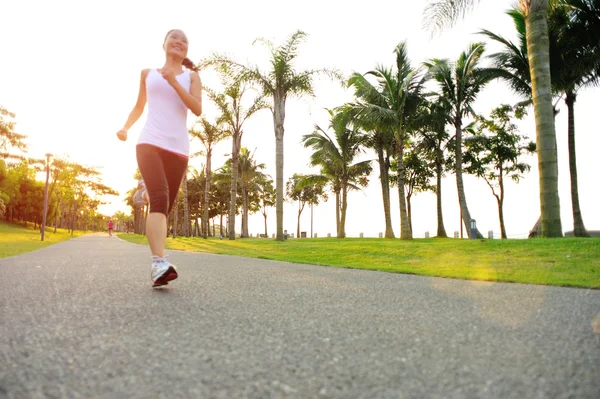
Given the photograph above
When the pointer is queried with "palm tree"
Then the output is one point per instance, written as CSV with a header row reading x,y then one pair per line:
x,y
380,139
460,84
209,134
391,105
578,64
440,13
433,142
279,82
234,115
574,64
250,179
336,158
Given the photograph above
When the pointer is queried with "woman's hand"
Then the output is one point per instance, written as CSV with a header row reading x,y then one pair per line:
x,y
122,134
168,74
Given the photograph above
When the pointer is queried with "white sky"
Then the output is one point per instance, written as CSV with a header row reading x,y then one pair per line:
x,y
70,71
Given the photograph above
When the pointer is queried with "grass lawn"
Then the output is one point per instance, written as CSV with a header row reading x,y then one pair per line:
x,y
17,239
566,261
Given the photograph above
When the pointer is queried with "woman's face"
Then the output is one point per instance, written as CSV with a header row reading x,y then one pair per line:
x,y
176,44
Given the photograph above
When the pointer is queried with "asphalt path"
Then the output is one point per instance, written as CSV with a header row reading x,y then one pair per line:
x,y
79,319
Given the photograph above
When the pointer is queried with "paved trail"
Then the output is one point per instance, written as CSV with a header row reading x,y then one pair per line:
x,y
79,320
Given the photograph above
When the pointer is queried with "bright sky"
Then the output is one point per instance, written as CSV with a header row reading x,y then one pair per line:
x,y
70,71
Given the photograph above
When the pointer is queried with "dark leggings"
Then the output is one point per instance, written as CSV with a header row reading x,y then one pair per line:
x,y
162,172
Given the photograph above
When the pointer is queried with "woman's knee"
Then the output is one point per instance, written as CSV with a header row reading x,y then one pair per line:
x,y
159,201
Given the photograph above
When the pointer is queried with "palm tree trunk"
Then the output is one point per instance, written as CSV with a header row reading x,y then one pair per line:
x,y
245,231
462,200
235,157
579,229
337,212
409,210
384,178
441,230
405,231
278,120
539,66
342,226
205,222
186,208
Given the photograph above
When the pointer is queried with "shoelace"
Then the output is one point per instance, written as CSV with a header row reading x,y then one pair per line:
x,y
158,259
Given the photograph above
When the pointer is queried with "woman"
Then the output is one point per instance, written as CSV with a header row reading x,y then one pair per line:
x,y
163,147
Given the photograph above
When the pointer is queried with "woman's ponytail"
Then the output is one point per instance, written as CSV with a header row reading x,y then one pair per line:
x,y
190,65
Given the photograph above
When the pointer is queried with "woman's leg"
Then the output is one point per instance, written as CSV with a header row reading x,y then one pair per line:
x,y
152,168
176,170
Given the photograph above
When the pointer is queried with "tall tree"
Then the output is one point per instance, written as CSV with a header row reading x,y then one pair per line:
x,y
494,153
337,158
303,189
209,135
392,105
460,85
433,142
279,82
418,177
234,114
442,13
266,197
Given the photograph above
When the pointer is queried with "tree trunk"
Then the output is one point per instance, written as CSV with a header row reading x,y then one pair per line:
x,y
278,120
56,215
175,217
405,231
337,212
298,226
207,192
579,229
266,233
221,225
384,178
342,227
186,208
501,205
539,67
73,216
409,210
462,200
441,230
245,211
235,157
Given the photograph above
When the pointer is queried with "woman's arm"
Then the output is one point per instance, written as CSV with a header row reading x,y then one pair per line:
x,y
193,99
138,108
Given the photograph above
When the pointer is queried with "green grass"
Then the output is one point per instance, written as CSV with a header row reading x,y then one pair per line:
x,y
571,262
18,239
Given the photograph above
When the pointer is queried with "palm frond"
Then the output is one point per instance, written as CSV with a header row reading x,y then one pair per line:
x,y
442,14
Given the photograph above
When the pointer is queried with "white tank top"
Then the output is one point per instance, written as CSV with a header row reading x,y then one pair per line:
x,y
166,123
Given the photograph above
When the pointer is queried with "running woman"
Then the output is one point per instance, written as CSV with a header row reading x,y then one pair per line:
x,y
110,227
163,146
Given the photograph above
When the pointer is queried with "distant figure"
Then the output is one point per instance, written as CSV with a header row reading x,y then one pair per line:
x,y
163,146
110,227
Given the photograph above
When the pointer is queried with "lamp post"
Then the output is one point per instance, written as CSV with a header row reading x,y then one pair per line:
x,y
473,229
48,155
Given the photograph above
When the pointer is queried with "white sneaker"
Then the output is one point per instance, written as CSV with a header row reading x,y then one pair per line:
x,y
162,271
